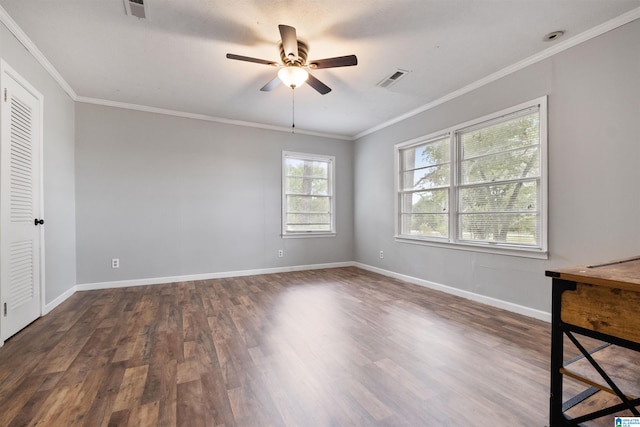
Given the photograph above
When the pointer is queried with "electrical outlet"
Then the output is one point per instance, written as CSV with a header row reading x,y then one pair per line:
x,y
115,263
381,254
280,253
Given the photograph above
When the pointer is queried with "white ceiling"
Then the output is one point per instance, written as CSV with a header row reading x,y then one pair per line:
x,y
175,59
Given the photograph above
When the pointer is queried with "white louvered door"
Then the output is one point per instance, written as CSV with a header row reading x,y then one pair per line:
x,y
20,210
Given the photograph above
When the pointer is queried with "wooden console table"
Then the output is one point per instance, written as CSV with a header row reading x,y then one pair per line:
x,y
603,302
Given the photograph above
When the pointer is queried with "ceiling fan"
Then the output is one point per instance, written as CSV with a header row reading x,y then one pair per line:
x,y
293,69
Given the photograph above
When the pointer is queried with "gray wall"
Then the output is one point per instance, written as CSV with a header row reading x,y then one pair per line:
x,y
594,157
58,158
172,196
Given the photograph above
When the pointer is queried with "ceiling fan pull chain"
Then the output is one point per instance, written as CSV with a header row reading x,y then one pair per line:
x,y
293,111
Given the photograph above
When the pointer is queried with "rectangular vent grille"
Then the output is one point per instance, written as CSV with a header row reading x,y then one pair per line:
x,y
136,8
393,78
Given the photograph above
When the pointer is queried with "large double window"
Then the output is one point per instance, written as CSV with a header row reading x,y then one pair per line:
x,y
480,185
307,200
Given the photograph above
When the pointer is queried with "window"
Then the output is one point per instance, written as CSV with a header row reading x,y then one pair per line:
x,y
308,204
424,191
480,185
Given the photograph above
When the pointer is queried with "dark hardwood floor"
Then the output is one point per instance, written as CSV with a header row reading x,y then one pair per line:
x,y
337,347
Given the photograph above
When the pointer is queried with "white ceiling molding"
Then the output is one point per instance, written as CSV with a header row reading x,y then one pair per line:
x,y
206,118
623,19
33,50
22,37
556,48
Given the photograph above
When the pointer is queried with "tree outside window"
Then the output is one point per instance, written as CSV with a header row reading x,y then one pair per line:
x,y
479,184
308,194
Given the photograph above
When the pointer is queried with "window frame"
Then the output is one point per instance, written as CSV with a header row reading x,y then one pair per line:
x,y
330,160
452,241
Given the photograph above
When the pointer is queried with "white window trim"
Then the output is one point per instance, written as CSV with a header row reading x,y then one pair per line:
x,y
451,243
307,234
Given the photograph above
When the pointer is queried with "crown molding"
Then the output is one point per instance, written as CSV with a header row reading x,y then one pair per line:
x,y
204,117
596,31
22,37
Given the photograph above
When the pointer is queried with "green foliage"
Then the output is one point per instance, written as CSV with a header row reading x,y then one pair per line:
x,y
429,213
498,179
427,167
500,211
308,203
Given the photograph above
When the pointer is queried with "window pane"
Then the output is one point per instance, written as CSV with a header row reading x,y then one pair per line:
x,y
310,219
316,186
307,204
306,168
511,197
509,228
432,153
435,176
515,133
436,201
312,227
517,164
425,213
426,225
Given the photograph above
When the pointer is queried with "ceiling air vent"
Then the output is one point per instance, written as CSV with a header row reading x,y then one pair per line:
x,y
135,8
393,78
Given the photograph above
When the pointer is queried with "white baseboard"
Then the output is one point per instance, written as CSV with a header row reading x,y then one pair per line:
x,y
206,276
59,300
505,305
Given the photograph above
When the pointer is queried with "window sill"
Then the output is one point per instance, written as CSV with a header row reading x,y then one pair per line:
x,y
307,235
484,248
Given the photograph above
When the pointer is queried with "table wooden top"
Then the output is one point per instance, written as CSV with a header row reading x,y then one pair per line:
x,y
619,274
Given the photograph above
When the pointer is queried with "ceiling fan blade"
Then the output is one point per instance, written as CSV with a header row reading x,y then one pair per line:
x,y
271,85
339,61
322,88
289,41
249,59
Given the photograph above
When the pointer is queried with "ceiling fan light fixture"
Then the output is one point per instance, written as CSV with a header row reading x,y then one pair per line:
x,y
293,76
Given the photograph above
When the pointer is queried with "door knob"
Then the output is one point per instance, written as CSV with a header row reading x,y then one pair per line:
x,y
38,221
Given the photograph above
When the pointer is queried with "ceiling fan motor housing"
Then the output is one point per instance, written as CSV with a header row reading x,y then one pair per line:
x,y
303,49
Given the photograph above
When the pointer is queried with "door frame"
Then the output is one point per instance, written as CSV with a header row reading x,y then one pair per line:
x,y
6,71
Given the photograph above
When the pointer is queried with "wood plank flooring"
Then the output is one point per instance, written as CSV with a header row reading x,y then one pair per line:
x,y
337,347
